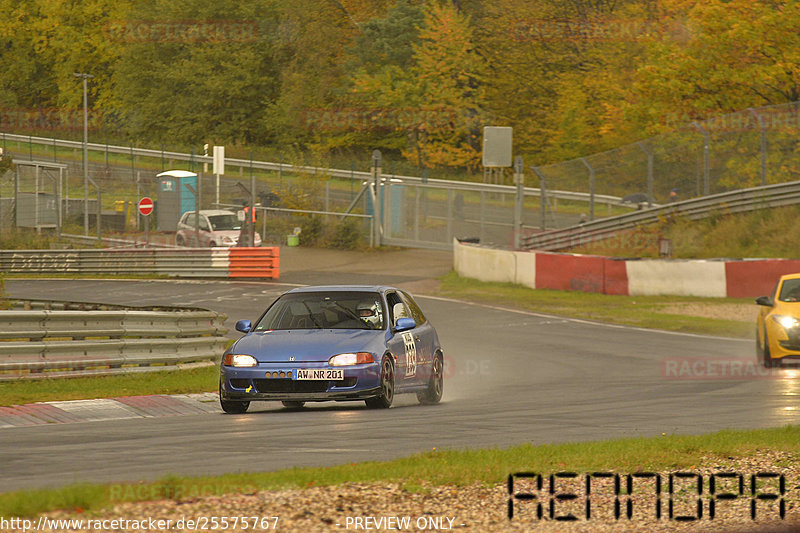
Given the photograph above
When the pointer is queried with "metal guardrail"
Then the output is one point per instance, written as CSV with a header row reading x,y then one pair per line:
x,y
182,262
301,169
66,338
740,201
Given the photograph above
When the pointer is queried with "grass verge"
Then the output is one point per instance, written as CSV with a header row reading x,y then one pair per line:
x,y
448,467
82,388
658,312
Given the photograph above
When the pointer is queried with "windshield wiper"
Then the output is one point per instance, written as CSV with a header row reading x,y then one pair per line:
x,y
353,315
311,315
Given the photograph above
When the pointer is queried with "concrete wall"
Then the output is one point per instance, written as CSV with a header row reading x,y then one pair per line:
x,y
681,278
544,270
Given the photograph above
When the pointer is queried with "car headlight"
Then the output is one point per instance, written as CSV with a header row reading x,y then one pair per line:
x,y
239,360
348,359
788,322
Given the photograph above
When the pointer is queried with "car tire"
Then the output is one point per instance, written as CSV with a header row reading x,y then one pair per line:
x,y
759,347
293,405
386,395
433,394
766,358
233,407
179,241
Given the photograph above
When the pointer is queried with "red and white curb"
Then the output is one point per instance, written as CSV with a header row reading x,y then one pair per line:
x,y
64,412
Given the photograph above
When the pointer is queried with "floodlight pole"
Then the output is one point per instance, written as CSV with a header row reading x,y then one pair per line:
x,y
85,77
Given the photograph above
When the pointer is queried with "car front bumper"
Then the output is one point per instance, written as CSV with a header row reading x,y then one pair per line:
x,y
273,382
783,344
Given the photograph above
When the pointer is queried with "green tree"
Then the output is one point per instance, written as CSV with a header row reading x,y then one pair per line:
x,y
433,106
187,81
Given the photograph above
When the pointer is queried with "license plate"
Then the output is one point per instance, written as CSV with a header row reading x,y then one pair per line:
x,y
299,374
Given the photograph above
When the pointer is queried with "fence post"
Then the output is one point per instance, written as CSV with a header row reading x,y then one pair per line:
x,y
763,145
706,142
591,187
519,181
374,194
643,147
542,198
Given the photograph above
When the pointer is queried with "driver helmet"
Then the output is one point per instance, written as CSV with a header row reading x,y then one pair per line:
x,y
369,312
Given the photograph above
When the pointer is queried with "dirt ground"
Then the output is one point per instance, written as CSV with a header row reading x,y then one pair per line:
x,y
728,311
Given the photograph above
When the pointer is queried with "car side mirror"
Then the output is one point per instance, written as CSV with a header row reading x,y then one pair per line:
x,y
404,324
765,300
244,326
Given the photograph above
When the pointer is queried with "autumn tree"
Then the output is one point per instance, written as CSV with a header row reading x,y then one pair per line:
x,y
733,54
434,100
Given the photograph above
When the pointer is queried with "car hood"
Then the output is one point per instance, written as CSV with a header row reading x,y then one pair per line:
x,y
308,345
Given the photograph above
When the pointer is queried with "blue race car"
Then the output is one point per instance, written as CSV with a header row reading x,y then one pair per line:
x,y
339,343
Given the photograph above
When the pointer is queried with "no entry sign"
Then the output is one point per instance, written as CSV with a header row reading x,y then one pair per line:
x,y
145,206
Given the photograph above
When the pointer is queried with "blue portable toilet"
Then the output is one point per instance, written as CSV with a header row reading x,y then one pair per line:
x,y
174,197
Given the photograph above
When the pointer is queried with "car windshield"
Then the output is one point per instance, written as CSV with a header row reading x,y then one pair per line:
x,y
790,291
324,310
224,222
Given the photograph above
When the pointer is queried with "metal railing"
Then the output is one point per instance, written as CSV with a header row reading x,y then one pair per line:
x,y
55,338
740,201
173,262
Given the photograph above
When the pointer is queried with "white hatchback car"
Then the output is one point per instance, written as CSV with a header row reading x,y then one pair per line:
x,y
217,227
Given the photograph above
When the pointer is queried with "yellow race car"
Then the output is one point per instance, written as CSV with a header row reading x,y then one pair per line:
x,y
778,323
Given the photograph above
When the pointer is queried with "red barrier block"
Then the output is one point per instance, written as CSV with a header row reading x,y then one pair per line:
x,y
757,277
585,273
568,272
254,263
615,276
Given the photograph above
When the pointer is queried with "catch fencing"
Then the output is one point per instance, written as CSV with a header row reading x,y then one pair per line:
x,y
56,339
173,262
754,147
426,212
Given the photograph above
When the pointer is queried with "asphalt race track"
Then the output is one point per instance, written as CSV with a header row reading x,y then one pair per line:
x,y
511,378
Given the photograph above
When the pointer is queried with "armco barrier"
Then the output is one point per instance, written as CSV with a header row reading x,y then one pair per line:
x,y
87,340
636,277
739,201
174,262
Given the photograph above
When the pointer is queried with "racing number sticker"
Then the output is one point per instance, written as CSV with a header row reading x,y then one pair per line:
x,y
411,355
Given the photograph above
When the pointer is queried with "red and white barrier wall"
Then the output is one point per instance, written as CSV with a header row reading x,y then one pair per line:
x,y
719,278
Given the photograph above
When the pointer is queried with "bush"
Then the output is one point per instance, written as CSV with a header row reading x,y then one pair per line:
x,y
311,231
346,236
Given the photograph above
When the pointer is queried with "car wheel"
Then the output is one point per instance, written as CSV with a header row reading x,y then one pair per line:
x,y
179,241
433,394
386,395
766,358
233,407
293,405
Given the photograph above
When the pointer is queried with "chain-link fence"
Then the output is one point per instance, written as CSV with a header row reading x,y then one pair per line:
x,y
756,146
330,206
